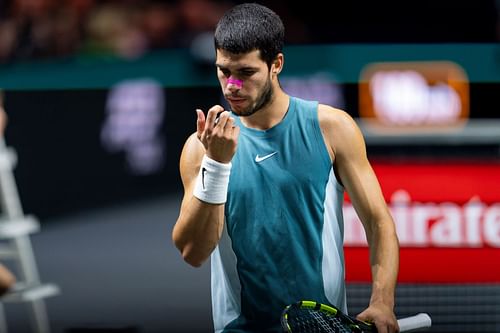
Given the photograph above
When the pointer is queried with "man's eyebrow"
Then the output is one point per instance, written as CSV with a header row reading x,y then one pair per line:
x,y
239,68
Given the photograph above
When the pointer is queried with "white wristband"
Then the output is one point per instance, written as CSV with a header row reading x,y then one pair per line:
x,y
212,181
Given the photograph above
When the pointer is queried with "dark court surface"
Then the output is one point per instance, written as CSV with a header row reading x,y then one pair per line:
x,y
118,272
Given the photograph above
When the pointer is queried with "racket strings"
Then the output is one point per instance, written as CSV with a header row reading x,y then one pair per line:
x,y
328,323
313,321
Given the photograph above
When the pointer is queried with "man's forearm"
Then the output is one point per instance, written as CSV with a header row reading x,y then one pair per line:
x,y
198,230
384,259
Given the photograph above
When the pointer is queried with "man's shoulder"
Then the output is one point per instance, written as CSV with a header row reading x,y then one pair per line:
x,y
329,116
333,115
338,124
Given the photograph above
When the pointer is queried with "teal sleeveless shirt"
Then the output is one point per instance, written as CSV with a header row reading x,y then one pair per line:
x,y
283,234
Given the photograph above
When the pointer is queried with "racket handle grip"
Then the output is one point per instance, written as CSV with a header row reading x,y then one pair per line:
x,y
415,323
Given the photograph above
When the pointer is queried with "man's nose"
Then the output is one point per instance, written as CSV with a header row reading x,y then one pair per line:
x,y
234,84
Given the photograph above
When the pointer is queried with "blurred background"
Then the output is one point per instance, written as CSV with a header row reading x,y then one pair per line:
x,y
101,95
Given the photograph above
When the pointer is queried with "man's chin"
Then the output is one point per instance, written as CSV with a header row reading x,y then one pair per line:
x,y
238,109
243,112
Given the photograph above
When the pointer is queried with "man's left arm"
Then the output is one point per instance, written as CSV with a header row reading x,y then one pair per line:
x,y
360,181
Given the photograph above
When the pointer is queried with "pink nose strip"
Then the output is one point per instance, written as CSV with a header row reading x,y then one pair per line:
x,y
236,82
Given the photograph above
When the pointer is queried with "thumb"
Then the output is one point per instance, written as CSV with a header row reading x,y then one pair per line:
x,y
365,316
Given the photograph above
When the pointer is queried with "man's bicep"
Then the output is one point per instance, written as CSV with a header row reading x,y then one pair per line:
x,y
345,140
358,176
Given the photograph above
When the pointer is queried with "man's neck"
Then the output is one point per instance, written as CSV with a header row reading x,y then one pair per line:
x,y
271,115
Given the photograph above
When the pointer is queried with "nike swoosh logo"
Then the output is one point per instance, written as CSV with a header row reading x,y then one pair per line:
x,y
265,157
203,171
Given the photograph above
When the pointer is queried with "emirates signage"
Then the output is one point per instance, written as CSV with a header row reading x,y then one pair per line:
x,y
447,217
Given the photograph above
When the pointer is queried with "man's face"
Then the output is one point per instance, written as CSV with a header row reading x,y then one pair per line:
x,y
245,81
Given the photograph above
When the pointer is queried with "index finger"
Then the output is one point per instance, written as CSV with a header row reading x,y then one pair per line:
x,y
211,116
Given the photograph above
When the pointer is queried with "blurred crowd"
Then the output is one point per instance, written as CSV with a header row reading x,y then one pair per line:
x,y
39,29
42,29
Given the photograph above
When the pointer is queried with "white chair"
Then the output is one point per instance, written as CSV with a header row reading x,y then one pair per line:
x,y
15,228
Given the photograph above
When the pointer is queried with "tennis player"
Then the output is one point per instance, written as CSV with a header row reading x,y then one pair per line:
x,y
264,186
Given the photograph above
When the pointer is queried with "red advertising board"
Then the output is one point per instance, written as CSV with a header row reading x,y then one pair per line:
x,y
447,217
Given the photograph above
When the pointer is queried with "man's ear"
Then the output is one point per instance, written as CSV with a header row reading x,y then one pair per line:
x,y
277,64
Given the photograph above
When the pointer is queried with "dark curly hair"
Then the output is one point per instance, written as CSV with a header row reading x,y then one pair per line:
x,y
248,27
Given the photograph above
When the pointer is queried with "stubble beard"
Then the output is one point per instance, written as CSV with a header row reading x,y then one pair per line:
x,y
263,100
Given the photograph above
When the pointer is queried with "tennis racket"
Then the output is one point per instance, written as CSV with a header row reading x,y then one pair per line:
x,y
314,317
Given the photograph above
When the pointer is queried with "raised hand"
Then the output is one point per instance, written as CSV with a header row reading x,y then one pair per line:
x,y
217,133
